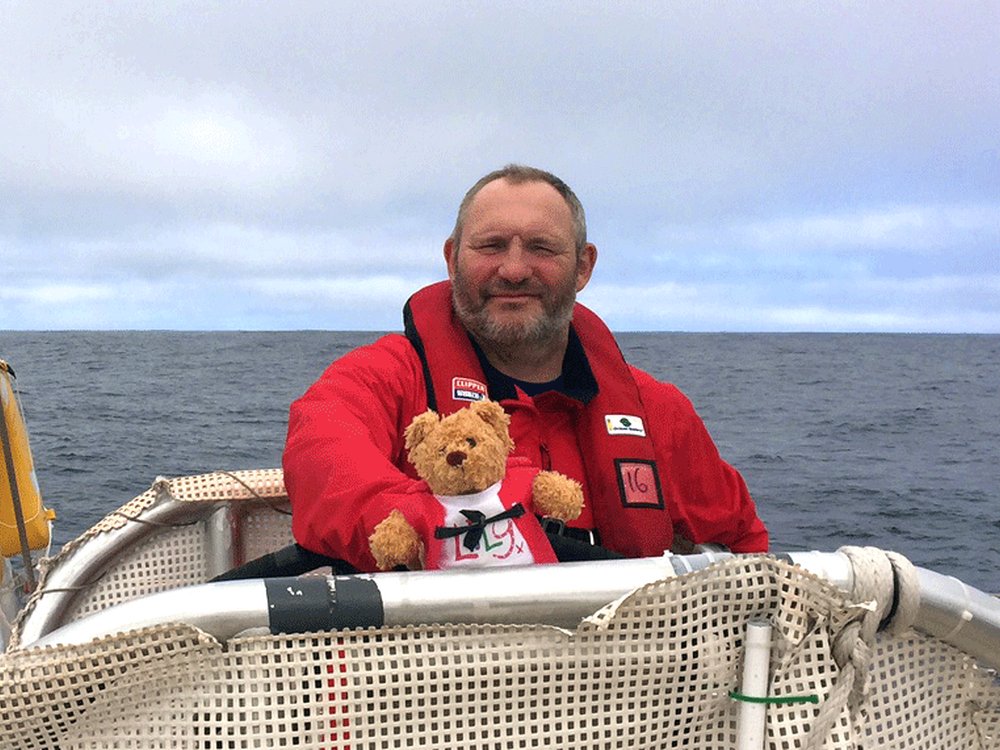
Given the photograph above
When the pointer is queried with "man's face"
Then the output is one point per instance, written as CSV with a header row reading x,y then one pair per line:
x,y
515,274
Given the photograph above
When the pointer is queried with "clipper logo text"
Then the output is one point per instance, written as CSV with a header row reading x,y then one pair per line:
x,y
624,424
467,389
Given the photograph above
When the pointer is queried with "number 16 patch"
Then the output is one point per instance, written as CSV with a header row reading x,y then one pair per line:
x,y
639,483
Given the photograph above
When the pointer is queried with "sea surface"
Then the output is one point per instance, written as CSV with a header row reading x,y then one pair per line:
x,y
889,440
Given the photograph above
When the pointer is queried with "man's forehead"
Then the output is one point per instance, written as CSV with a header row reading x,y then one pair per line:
x,y
533,205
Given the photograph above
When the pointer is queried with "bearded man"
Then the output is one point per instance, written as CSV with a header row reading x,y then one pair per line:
x,y
506,326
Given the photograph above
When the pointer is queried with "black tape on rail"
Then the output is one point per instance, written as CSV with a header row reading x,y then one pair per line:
x,y
308,604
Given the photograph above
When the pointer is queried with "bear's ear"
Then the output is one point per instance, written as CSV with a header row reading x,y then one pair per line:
x,y
420,428
493,414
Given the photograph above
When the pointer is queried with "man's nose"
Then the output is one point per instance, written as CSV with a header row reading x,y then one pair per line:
x,y
515,265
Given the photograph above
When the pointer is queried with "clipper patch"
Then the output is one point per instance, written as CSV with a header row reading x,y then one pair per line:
x,y
639,483
467,389
624,424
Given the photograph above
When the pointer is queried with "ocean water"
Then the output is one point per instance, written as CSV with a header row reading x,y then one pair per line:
x,y
872,439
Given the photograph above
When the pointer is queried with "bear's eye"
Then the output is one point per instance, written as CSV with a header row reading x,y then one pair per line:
x,y
471,442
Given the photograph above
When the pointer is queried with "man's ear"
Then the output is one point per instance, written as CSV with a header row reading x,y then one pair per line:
x,y
450,256
585,265
420,428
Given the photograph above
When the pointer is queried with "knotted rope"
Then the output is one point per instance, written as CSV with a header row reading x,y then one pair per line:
x,y
886,587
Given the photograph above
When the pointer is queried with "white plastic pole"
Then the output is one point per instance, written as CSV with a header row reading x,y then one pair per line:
x,y
756,665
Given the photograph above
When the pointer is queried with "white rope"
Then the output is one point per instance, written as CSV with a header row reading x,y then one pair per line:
x,y
885,587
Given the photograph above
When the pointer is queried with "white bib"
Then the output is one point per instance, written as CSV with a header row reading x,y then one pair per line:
x,y
502,542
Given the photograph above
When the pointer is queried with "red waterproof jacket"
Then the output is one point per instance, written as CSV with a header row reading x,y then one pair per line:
x,y
346,468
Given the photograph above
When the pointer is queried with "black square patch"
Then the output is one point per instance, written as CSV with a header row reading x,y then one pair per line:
x,y
639,483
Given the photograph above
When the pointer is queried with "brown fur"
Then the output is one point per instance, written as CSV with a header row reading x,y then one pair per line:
x,y
463,453
398,543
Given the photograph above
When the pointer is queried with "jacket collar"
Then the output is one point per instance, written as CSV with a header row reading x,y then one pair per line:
x,y
578,381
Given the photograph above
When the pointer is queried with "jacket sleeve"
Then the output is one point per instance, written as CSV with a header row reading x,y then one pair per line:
x,y
708,500
344,447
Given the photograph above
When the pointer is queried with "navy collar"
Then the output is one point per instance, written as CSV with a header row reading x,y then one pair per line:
x,y
576,380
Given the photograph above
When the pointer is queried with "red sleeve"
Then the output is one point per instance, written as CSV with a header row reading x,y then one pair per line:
x,y
708,499
344,447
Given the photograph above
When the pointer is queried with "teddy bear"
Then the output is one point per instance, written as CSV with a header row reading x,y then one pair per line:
x,y
488,502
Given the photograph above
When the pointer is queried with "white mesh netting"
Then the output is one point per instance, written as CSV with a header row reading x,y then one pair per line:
x,y
654,671
174,555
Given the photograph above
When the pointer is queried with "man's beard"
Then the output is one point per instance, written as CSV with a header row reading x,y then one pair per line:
x,y
549,324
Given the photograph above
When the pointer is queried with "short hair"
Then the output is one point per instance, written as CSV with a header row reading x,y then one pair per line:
x,y
518,174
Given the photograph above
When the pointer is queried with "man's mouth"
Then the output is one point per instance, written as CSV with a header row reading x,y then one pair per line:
x,y
513,295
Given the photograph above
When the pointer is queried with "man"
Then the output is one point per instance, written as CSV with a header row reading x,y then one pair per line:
x,y
506,326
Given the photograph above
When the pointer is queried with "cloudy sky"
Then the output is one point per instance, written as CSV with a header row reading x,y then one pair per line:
x,y
773,166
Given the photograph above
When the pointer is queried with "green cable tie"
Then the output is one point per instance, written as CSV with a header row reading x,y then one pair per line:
x,y
773,700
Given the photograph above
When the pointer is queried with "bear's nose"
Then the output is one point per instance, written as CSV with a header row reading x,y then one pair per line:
x,y
455,458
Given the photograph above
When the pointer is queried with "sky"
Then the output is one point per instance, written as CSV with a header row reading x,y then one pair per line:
x,y
766,166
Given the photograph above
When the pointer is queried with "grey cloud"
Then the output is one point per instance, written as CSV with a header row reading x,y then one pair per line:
x,y
335,139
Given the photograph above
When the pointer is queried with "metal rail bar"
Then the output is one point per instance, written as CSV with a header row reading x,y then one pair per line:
x,y
557,595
